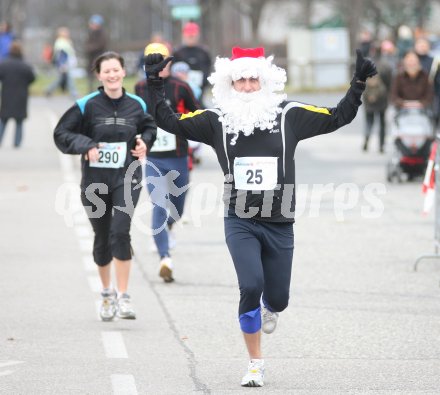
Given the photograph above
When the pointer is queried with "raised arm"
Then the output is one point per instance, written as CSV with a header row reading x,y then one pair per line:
x,y
193,126
311,121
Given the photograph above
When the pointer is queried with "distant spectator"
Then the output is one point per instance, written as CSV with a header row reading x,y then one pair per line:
x,y
6,39
411,87
15,76
96,44
64,60
366,43
405,40
387,62
375,98
422,48
193,53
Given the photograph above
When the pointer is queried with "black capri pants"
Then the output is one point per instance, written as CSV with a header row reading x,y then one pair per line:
x,y
110,225
262,253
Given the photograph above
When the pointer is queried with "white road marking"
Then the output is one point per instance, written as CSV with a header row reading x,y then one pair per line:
x,y
114,345
123,384
8,363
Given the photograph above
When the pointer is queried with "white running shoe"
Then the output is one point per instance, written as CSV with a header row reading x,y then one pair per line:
x,y
255,374
108,305
269,320
125,309
166,269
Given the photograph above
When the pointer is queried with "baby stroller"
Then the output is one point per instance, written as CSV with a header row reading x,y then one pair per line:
x,y
412,135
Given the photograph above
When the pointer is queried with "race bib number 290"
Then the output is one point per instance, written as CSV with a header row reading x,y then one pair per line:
x,y
111,155
256,173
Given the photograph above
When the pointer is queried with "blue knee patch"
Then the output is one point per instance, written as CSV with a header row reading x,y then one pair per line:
x,y
250,322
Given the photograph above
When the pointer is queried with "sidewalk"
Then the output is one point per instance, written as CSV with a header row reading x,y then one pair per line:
x,y
360,319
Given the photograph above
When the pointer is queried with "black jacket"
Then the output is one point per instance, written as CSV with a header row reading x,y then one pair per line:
x,y
15,78
296,122
197,57
95,119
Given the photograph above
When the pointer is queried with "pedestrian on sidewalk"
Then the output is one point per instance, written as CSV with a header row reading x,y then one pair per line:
x,y
167,165
254,132
7,37
111,130
64,60
377,92
95,45
15,77
376,102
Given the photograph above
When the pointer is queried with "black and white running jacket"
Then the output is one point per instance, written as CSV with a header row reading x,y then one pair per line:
x,y
268,149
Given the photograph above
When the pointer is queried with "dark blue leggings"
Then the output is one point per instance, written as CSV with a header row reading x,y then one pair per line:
x,y
262,253
167,182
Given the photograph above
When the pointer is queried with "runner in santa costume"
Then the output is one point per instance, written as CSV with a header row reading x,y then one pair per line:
x,y
254,131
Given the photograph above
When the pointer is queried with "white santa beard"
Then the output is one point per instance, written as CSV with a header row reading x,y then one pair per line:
x,y
245,112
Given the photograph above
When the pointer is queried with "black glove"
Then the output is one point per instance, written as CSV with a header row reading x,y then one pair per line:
x,y
154,64
365,68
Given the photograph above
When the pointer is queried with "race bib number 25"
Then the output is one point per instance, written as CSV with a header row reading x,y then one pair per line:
x,y
256,173
164,141
111,155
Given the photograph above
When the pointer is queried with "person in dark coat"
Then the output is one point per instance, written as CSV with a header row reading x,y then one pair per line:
x,y
376,102
196,55
96,44
15,76
430,64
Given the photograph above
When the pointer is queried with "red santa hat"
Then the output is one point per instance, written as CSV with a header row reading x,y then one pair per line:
x,y
247,63
238,52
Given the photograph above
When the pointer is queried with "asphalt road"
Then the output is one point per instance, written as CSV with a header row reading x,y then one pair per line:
x,y
360,319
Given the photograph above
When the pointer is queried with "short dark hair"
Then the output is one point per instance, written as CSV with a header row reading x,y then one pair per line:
x,y
106,56
15,49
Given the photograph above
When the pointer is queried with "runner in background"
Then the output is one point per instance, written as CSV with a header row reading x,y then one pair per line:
x,y
196,56
167,169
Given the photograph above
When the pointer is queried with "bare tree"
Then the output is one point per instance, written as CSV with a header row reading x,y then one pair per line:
x,y
394,13
307,8
252,9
